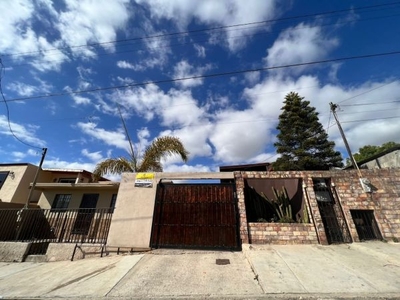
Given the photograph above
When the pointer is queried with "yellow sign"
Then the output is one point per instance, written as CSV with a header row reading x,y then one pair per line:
x,y
145,176
144,180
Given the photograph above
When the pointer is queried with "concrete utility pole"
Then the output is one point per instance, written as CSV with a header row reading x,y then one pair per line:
x,y
36,178
353,161
127,134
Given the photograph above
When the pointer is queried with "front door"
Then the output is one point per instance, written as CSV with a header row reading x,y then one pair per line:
x,y
336,229
85,214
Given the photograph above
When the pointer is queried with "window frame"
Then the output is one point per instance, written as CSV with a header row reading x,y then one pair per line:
x,y
67,180
113,201
5,173
65,199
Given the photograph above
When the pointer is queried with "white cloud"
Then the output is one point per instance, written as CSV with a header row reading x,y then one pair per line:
x,y
56,163
264,99
123,64
22,89
186,168
185,70
211,12
201,51
26,90
239,135
18,155
252,77
125,80
300,44
78,99
25,133
93,156
175,107
15,34
86,21
79,23
81,100
111,138
157,51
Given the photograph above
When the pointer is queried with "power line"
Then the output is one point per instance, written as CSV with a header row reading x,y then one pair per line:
x,y
368,91
373,119
365,111
206,29
162,81
206,40
374,103
8,110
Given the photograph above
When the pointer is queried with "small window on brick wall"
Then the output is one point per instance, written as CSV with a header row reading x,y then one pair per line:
x,y
322,189
366,226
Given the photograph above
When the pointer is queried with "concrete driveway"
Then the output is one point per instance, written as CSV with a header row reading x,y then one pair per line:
x,y
368,270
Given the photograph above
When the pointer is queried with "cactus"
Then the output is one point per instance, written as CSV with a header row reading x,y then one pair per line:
x,y
281,204
304,218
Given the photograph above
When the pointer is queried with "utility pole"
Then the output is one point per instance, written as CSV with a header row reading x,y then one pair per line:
x,y
44,151
353,161
127,135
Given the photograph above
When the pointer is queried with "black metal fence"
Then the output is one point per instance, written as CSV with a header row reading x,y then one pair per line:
x,y
87,225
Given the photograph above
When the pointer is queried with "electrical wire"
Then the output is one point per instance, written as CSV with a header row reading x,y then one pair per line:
x,y
374,119
256,35
8,110
228,73
374,103
368,91
207,29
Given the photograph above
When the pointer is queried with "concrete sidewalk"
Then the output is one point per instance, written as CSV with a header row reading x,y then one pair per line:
x,y
361,270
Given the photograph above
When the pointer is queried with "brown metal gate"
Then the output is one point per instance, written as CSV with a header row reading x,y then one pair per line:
x,y
195,216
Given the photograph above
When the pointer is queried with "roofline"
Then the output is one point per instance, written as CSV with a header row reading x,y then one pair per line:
x,y
245,166
17,164
48,186
56,170
361,162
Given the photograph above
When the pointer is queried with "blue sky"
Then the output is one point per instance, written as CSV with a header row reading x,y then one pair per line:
x,y
58,47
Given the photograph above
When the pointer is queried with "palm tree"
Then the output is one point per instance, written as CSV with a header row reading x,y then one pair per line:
x,y
150,161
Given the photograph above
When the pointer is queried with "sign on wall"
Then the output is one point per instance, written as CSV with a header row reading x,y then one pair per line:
x,y
144,180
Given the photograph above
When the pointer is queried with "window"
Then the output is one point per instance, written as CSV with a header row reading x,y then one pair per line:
x,y
67,180
3,177
112,202
61,201
322,189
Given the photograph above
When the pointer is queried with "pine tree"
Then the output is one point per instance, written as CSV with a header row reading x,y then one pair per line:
x,y
302,141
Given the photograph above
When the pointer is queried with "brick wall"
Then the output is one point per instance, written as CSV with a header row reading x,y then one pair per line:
x,y
281,233
348,194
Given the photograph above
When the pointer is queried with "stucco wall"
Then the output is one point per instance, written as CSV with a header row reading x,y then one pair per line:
x,y
133,216
47,197
16,189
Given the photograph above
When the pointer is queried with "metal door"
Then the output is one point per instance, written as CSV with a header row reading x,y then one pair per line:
x,y
195,216
85,214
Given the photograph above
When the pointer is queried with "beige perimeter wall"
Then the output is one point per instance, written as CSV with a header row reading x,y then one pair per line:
x,y
132,220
